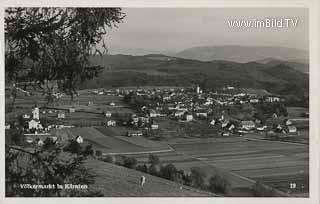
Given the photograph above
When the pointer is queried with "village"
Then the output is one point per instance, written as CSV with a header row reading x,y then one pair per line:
x,y
185,105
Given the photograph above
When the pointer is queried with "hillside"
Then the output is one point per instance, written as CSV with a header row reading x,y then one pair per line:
x,y
122,182
160,70
298,65
241,53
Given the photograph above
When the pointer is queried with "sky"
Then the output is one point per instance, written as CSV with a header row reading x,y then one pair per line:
x,y
176,29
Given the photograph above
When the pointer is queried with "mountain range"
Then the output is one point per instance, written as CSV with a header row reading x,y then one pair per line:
x,y
242,53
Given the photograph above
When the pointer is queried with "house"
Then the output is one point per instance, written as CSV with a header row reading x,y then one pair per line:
x,y
153,114
224,123
292,129
134,133
254,100
61,115
272,99
154,126
111,123
79,139
202,114
72,110
26,116
179,113
39,142
213,122
189,117
7,126
288,122
247,125
261,128
231,127
108,114
225,134
34,124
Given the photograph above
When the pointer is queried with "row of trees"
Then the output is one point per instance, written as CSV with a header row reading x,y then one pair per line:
x,y
195,178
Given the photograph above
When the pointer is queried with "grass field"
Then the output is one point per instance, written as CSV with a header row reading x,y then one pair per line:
x,y
122,182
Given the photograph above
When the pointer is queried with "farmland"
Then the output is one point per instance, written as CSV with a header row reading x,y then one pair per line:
x,y
244,162
102,140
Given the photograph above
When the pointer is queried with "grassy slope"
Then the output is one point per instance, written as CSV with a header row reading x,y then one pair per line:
x,y
117,181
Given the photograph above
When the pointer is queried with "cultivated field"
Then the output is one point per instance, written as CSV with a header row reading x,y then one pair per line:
x,y
243,161
113,144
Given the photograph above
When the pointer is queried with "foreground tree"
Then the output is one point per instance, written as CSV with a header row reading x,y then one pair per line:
x,y
50,48
43,167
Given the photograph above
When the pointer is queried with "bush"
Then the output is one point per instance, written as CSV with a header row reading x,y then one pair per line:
x,y
73,147
154,169
154,159
219,184
120,160
130,162
168,171
142,168
48,143
196,178
109,159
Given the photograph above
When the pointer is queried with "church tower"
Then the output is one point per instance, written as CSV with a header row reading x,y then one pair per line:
x,y
35,113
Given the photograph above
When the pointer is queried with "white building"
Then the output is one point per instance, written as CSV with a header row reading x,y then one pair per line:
x,y
111,123
35,113
292,129
247,125
79,139
154,126
7,126
61,115
189,117
34,124
108,114
26,116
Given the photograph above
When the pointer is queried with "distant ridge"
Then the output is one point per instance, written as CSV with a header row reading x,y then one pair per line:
x,y
242,54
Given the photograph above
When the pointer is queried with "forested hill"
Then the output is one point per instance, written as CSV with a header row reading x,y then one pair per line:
x,y
159,70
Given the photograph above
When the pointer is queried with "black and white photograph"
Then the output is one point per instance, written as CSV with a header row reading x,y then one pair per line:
x,y
156,102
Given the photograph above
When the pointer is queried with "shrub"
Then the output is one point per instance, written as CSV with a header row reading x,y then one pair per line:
x,y
154,159
154,169
142,168
197,177
73,147
168,171
130,162
48,143
120,160
219,184
109,159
